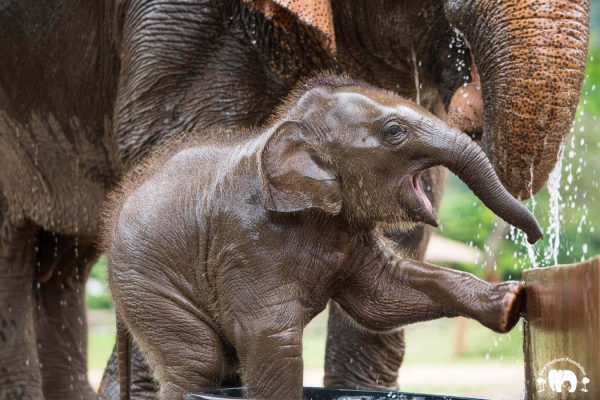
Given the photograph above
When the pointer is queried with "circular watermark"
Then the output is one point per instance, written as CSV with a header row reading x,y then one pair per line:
x,y
562,375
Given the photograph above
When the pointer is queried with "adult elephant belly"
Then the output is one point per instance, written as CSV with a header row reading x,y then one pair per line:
x,y
56,183
55,113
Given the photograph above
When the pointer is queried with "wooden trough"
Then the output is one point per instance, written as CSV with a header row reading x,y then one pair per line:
x,y
562,331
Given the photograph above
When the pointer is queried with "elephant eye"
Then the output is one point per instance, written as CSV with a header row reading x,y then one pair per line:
x,y
394,133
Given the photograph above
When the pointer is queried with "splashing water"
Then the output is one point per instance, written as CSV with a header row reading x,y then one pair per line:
x,y
416,76
519,237
569,224
530,249
556,204
553,230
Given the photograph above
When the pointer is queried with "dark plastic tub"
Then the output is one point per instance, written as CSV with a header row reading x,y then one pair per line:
x,y
315,393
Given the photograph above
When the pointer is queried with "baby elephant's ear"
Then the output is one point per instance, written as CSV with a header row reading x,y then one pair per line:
x,y
294,177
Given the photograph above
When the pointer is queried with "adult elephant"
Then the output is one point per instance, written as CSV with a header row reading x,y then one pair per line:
x,y
86,90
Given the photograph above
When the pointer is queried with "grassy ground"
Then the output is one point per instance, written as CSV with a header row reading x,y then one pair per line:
x,y
490,366
101,326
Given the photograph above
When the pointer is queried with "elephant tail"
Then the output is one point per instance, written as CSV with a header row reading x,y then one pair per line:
x,y
124,357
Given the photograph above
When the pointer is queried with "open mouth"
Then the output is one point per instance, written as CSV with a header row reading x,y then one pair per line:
x,y
416,183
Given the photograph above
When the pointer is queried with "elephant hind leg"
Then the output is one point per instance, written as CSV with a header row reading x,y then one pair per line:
x,y
183,350
20,376
142,383
143,386
109,386
187,355
63,264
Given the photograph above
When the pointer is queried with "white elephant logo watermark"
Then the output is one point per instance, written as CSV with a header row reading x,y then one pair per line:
x,y
559,378
562,379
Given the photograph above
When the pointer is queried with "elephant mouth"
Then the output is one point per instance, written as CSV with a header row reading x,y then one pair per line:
x,y
428,216
416,182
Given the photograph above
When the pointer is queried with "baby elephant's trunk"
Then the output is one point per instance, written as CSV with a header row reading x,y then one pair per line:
x,y
466,159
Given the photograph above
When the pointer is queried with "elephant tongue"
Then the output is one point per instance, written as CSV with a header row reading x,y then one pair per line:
x,y
416,180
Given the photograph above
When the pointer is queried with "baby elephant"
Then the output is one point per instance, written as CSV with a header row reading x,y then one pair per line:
x,y
223,246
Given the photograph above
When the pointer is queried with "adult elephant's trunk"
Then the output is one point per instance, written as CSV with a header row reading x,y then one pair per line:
x,y
461,155
530,55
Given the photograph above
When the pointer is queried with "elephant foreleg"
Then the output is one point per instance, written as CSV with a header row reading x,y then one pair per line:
x,y
20,376
361,359
63,266
389,292
358,358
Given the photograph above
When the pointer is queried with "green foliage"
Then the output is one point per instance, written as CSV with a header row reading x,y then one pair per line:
x,y
98,295
591,88
101,339
99,271
434,342
595,20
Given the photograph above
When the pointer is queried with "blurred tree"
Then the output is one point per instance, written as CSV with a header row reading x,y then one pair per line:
x,y
98,295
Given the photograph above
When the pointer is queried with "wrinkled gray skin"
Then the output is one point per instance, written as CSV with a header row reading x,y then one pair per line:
x,y
222,249
87,89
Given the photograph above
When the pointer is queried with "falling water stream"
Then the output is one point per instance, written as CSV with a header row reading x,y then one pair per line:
x,y
568,202
553,230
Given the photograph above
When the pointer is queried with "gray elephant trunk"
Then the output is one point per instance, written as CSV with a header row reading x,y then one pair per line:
x,y
466,159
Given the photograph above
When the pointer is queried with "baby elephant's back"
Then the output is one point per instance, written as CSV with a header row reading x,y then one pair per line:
x,y
158,214
163,219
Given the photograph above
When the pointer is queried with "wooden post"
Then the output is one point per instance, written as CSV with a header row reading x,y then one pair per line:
x,y
562,331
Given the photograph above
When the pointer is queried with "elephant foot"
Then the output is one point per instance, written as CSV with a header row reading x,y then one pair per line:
x,y
506,300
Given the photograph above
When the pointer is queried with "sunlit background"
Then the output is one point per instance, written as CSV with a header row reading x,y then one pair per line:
x,y
458,356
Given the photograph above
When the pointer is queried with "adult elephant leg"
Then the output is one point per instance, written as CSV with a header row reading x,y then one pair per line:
x,y
63,264
356,358
142,382
20,376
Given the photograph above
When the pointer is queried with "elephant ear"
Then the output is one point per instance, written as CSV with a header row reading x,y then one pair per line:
x,y
294,178
315,13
